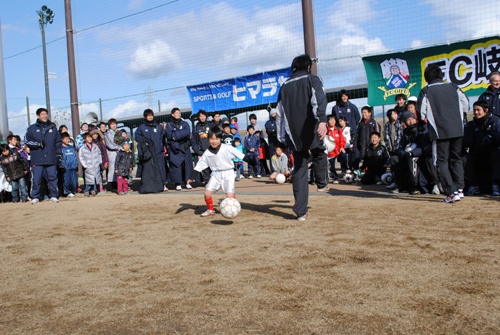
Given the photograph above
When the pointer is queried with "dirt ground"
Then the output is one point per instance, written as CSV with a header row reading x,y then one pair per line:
x,y
367,262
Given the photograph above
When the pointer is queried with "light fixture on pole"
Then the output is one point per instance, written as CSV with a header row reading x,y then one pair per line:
x,y
45,16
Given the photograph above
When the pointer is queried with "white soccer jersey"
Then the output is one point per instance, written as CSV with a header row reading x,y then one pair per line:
x,y
221,161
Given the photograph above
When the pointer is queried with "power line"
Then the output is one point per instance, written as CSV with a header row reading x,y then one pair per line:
x,y
95,26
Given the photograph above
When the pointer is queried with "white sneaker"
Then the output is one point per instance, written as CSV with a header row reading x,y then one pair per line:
x,y
54,200
259,176
165,189
304,217
188,186
242,177
35,201
435,190
71,195
461,193
250,177
178,188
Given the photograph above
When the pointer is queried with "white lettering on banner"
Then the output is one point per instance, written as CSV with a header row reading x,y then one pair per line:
x,y
254,91
223,95
269,83
237,90
204,97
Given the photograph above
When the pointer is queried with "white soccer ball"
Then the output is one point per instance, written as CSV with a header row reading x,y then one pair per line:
x,y
329,143
280,178
387,178
230,208
348,178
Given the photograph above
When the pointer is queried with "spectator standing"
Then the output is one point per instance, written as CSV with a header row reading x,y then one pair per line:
x,y
44,141
443,104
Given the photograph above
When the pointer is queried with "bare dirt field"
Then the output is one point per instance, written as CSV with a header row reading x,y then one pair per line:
x,y
366,262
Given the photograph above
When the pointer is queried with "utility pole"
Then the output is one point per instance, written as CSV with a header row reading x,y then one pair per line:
x,y
75,113
45,16
4,119
309,39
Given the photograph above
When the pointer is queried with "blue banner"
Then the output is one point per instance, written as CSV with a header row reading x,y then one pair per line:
x,y
240,92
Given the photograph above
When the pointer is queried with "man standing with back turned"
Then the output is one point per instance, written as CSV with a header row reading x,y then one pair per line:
x,y
301,123
444,105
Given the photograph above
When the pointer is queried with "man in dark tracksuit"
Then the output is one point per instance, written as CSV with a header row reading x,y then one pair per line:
x,y
301,123
44,141
444,105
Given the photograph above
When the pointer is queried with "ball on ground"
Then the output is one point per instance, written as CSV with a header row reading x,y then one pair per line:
x,y
280,178
230,208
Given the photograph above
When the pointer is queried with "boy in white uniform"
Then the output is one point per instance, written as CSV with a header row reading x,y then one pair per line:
x,y
219,158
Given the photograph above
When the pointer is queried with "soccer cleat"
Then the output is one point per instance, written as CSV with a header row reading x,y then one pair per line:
x,y
208,212
188,186
178,188
473,190
304,217
35,201
495,190
323,189
54,200
460,193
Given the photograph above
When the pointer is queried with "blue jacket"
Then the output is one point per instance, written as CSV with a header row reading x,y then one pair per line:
x,y
44,142
252,142
178,137
349,111
155,133
69,157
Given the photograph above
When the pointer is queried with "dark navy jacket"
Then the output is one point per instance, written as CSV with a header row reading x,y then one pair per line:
x,y
155,133
48,134
178,137
69,157
492,96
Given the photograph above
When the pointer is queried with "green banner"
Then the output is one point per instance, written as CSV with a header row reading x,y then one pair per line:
x,y
468,64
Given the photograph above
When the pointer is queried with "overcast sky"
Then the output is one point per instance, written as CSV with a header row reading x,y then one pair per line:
x,y
134,53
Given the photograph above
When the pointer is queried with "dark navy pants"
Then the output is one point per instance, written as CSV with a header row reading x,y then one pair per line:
x,y
49,172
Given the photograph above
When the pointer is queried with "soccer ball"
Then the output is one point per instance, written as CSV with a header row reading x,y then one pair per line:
x,y
280,178
329,143
348,177
230,208
387,178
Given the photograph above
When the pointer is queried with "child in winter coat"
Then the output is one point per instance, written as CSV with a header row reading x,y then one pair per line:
x,y
91,159
98,139
238,163
336,136
252,145
279,163
123,166
14,168
69,167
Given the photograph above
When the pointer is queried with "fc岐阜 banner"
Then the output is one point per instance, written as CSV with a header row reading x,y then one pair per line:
x,y
240,92
467,64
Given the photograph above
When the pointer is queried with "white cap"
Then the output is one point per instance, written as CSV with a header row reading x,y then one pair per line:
x,y
412,98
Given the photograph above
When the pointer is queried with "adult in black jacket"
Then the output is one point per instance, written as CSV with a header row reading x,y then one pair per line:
x,y
443,104
482,144
492,94
44,141
301,123
151,181
366,127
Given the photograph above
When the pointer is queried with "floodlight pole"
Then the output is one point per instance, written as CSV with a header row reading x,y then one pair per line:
x,y
309,39
45,15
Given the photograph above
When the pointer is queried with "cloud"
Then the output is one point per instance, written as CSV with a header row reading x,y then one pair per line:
x,y
153,60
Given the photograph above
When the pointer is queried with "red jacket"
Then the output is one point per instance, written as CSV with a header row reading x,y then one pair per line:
x,y
336,134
